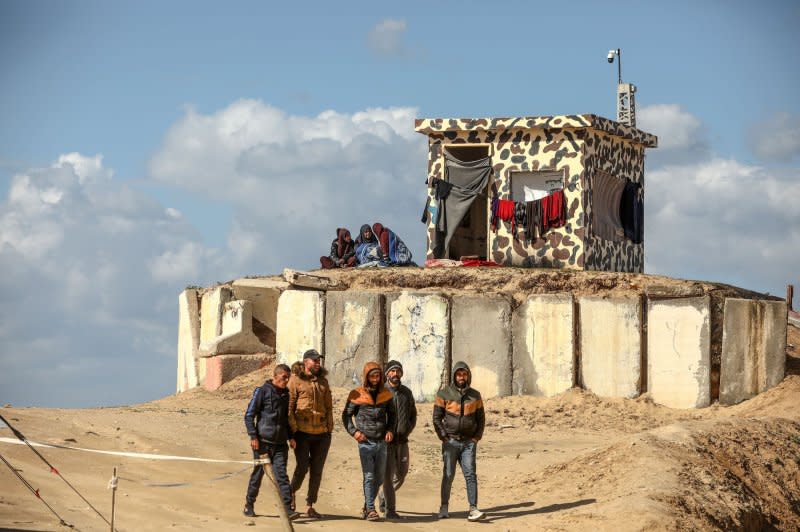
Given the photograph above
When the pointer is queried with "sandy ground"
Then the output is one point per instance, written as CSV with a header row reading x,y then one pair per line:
x,y
573,462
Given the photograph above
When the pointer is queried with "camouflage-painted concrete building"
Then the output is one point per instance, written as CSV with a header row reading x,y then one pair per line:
x,y
579,154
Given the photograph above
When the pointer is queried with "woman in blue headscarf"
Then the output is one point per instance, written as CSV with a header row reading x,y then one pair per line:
x,y
368,249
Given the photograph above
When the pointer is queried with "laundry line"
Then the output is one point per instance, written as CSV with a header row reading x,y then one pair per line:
x,y
144,456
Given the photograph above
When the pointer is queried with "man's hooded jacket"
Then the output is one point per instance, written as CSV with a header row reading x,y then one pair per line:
x,y
267,416
373,410
458,412
341,249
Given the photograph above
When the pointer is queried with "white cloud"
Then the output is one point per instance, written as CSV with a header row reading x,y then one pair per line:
x,y
78,290
682,137
712,218
386,38
291,180
776,138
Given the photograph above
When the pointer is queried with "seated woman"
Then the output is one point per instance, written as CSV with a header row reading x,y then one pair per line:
x,y
343,253
393,249
368,249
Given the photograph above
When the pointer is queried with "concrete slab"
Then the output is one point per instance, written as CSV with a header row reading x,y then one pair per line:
x,y
481,337
188,340
264,294
212,307
237,332
544,346
679,352
311,280
300,324
611,346
419,338
354,334
753,348
224,368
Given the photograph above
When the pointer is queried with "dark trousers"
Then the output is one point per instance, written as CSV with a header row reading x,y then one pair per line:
x,y
396,470
310,453
279,455
464,453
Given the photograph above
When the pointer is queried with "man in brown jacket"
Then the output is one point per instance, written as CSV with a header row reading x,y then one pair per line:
x,y
311,422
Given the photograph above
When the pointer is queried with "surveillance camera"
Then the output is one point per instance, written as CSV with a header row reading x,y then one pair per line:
x,y
611,56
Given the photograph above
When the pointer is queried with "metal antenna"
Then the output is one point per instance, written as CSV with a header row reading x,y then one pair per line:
x,y
626,102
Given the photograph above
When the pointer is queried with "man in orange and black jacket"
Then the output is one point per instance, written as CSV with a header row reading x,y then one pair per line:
x,y
459,420
369,417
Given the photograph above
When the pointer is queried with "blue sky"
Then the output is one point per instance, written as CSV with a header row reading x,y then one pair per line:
x,y
147,146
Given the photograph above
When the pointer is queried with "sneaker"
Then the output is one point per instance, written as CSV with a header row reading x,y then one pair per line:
x,y
391,514
293,514
443,513
248,510
475,514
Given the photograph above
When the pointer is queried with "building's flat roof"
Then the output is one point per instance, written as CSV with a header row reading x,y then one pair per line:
x,y
589,121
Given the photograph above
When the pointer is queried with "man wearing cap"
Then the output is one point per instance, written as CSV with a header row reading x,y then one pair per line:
x,y
459,419
397,456
311,422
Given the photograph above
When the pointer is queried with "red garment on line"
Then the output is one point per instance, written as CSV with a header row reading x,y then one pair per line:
x,y
506,211
554,210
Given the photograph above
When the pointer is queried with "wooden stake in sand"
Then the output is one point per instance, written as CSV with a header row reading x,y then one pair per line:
x,y
113,485
276,492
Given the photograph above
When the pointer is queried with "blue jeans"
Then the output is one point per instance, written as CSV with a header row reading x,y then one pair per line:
x,y
373,465
463,452
278,454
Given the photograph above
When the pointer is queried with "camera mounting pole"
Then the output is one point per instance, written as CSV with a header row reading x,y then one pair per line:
x,y
626,102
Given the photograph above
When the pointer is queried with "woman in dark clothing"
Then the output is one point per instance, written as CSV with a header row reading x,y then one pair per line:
x,y
343,253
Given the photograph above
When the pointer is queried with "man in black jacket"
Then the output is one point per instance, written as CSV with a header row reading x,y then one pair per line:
x,y
372,406
459,420
267,422
397,456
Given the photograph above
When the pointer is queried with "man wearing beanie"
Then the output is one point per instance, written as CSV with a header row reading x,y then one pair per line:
x,y
397,456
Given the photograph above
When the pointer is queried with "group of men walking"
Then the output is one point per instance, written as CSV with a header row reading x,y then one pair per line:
x,y
295,409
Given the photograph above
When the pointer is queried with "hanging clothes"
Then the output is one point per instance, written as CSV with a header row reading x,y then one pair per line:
x,y
506,211
519,215
606,196
554,210
464,181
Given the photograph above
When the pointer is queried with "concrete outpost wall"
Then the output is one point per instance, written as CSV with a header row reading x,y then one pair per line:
x,y
615,347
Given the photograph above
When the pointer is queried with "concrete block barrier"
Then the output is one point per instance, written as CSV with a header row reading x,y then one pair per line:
x,y
300,324
481,337
354,335
544,346
223,368
188,340
611,346
419,338
679,352
264,295
237,332
753,348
